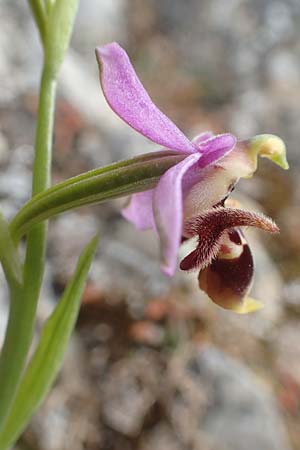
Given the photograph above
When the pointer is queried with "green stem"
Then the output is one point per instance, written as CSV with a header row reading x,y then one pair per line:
x,y
24,298
44,135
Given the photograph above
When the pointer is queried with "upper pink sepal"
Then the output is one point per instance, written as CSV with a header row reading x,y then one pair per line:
x,y
127,97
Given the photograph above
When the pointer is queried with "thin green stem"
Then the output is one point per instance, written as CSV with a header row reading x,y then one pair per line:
x,y
24,298
44,135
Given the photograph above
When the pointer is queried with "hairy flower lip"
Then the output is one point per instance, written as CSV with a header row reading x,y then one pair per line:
x,y
227,281
222,218
211,227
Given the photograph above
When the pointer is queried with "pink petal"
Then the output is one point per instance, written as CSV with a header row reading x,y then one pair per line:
x,y
216,148
127,97
168,211
212,149
202,137
139,210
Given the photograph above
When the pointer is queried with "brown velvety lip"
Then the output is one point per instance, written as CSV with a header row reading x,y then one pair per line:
x,y
211,228
228,281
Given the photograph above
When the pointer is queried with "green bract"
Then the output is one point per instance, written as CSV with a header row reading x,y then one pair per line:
x,y
116,180
60,22
49,354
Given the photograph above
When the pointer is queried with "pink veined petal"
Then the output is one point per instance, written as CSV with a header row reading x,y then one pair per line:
x,y
216,148
168,212
128,98
202,137
212,150
139,210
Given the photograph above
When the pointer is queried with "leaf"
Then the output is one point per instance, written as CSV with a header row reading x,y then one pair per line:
x,y
39,14
48,357
59,28
9,257
98,185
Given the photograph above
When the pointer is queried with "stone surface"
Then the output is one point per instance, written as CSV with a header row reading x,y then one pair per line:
x,y
97,26
240,414
291,295
70,410
128,392
162,437
18,56
286,343
68,235
15,181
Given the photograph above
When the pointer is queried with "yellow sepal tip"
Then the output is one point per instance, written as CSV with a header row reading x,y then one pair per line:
x,y
271,147
249,305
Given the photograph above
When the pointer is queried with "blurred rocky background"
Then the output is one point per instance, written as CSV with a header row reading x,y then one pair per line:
x,y
153,363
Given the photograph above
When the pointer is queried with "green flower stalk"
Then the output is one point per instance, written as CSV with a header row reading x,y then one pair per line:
x,y
55,21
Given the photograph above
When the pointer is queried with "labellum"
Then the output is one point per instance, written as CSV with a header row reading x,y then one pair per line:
x,y
224,256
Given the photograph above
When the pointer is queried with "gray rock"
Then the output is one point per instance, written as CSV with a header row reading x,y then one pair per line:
x,y
286,345
22,57
162,437
15,181
240,412
69,233
291,295
70,409
99,22
128,392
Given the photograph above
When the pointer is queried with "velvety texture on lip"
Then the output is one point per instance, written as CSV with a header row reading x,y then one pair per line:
x,y
228,280
212,227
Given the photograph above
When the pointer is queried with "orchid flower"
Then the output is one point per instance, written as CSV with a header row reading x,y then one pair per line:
x,y
189,199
